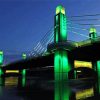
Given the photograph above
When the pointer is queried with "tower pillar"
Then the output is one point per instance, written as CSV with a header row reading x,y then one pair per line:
x,y
61,60
1,63
23,72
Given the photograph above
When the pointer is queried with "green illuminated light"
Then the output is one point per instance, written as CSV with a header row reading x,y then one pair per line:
x,y
65,63
93,33
56,38
1,52
60,9
56,61
63,27
1,72
56,29
23,81
92,30
60,28
98,68
98,73
98,65
1,57
61,65
23,72
24,56
62,91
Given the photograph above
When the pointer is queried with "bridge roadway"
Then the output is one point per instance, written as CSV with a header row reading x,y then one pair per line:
x,y
88,50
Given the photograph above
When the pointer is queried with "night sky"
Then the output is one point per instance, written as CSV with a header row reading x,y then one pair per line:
x,y
24,22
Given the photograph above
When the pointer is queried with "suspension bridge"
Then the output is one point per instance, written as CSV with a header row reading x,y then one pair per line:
x,y
54,49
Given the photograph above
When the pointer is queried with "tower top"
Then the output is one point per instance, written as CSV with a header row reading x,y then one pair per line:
x,y
92,30
60,9
24,56
1,52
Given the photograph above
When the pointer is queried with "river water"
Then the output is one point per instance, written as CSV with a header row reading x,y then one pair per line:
x,y
36,88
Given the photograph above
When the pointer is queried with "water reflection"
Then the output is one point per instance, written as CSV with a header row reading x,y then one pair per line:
x,y
83,94
31,88
62,91
98,85
1,83
11,81
78,90
23,81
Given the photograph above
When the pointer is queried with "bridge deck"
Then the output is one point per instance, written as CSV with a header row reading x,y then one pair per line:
x,y
87,50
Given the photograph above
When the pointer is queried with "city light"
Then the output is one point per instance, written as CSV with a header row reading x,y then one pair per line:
x,y
12,71
82,64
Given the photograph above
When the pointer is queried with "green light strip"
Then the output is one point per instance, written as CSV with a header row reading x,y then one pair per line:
x,y
1,57
23,72
23,81
1,72
56,29
98,68
62,91
61,65
63,28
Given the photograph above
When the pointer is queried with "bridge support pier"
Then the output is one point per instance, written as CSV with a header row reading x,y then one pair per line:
x,y
23,77
61,59
23,72
1,72
61,65
62,91
1,63
98,68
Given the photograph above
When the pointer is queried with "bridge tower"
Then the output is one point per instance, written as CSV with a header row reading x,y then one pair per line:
x,y
1,63
96,64
24,70
92,33
61,61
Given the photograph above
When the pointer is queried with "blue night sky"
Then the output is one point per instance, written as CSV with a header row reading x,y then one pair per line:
x,y
24,22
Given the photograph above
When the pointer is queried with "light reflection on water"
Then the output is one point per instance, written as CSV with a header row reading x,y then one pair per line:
x,y
30,88
11,81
